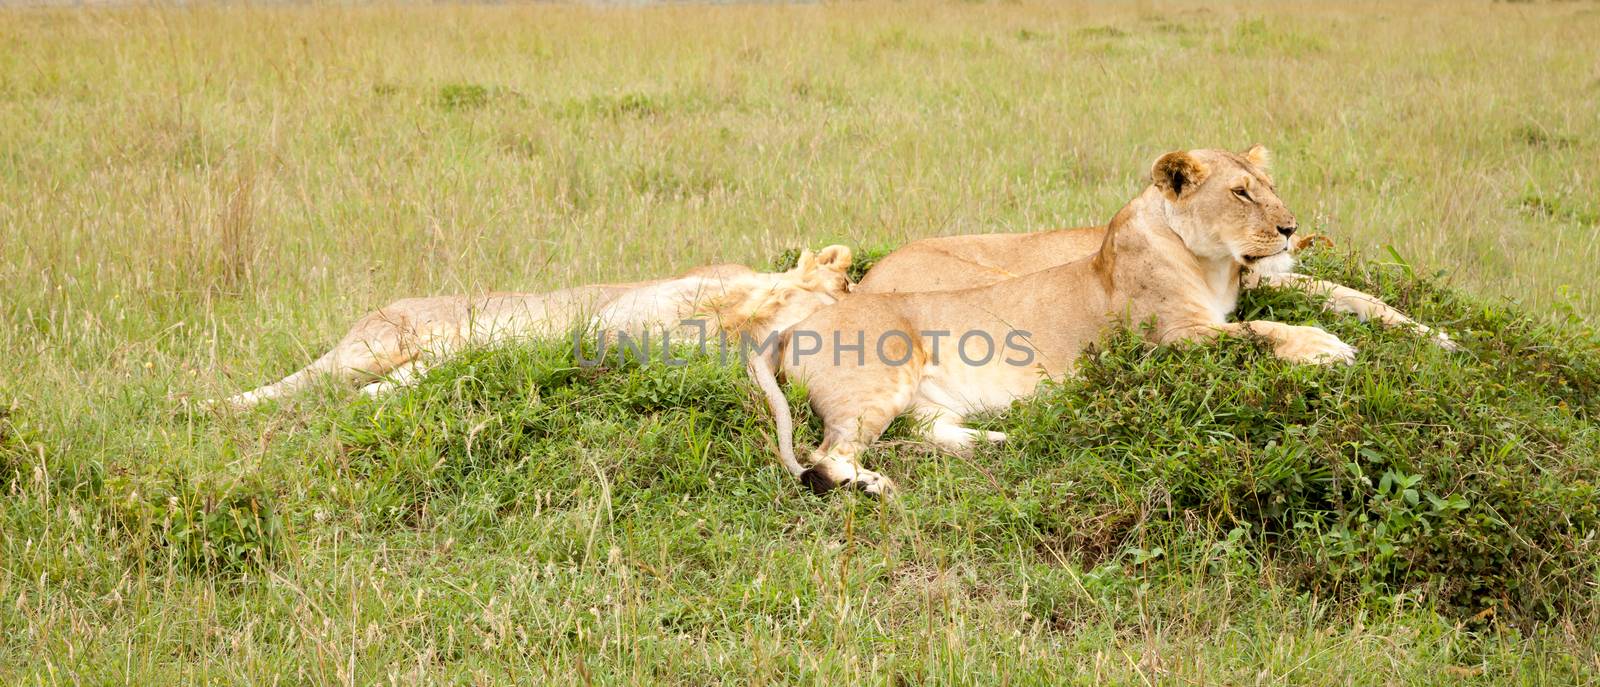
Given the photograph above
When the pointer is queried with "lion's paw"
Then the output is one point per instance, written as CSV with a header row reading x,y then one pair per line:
x,y
1440,339
1315,346
874,483
826,475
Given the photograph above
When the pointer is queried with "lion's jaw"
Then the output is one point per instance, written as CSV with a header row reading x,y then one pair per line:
x,y
1282,263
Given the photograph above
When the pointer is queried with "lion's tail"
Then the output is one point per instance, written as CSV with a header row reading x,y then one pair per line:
x,y
761,371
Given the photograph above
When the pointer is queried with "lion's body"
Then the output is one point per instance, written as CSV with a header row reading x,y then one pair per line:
x,y
395,344
962,262
960,373
1173,258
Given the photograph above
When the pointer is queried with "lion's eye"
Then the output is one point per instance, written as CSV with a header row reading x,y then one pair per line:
x,y
1242,193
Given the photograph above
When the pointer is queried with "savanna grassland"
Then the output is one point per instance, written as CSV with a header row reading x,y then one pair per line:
x,y
198,200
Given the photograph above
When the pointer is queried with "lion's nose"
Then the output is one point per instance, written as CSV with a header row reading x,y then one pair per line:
x,y
1287,231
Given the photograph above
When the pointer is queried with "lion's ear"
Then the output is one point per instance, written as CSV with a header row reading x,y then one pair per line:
x,y
835,257
1259,156
1176,173
806,262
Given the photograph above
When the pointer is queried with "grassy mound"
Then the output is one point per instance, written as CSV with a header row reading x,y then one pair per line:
x,y
1465,480
1468,479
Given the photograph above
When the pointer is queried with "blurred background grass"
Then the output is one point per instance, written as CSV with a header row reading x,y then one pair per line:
x,y
254,171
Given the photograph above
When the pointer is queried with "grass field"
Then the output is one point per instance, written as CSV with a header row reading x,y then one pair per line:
x,y
195,201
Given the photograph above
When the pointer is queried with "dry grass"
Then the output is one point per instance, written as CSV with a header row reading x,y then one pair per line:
x,y
304,163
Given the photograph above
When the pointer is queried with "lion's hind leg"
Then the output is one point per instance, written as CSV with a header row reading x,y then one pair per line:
x,y
406,375
855,410
377,344
837,466
943,428
304,377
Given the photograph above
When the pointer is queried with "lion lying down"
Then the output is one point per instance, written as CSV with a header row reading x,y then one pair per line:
x,y
396,344
963,262
1175,256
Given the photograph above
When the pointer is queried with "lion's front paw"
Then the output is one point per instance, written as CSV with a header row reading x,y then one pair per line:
x,y
1394,318
207,405
1440,339
1315,346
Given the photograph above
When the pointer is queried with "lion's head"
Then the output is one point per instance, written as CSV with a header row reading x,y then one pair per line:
x,y
826,272
817,280
1224,206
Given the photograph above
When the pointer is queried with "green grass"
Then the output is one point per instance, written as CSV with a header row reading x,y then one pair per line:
x,y
1203,514
193,201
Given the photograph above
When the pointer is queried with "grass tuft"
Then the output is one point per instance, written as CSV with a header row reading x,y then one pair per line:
x,y
205,527
1541,137
16,446
463,96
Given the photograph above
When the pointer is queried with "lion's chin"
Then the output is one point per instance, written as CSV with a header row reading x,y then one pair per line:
x,y
1280,263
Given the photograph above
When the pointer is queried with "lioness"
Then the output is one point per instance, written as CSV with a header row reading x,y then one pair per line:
x,y
1172,257
960,262
395,345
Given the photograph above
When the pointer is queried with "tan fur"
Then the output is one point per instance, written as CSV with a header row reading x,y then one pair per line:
x,y
395,344
957,262
1174,258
